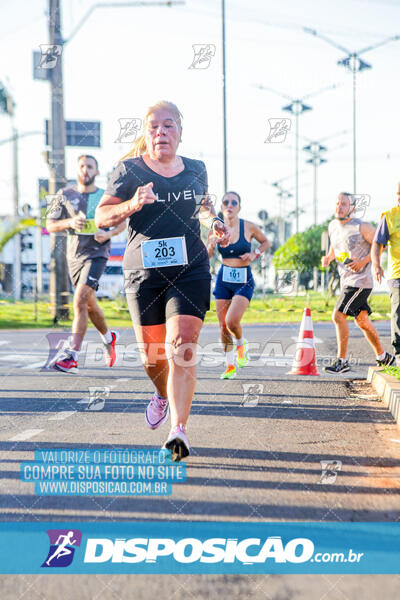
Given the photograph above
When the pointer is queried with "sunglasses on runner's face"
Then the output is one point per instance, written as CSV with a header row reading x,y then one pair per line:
x,y
228,202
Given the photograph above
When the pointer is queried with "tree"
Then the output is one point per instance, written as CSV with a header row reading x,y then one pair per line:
x,y
302,251
16,227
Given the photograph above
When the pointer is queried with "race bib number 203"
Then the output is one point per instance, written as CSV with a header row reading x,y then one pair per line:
x,y
167,252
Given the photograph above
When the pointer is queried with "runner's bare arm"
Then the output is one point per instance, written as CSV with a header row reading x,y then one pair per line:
x,y
118,229
111,210
206,211
376,252
325,260
207,214
54,226
368,232
102,235
211,243
258,235
261,238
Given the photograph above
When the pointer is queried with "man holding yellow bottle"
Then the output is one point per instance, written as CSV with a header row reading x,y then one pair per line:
x,y
351,240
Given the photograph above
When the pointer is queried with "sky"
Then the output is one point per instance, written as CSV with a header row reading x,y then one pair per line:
x,y
125,59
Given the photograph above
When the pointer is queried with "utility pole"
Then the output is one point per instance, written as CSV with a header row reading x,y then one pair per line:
x,y
224,99
17,243
59,289
39,256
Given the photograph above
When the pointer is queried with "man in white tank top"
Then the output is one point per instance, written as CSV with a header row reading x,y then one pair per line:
x,y
351,241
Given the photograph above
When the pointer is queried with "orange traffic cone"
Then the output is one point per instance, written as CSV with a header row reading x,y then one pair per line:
x,y
304,362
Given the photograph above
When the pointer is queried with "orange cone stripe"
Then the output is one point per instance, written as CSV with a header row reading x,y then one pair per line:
x,y
304,361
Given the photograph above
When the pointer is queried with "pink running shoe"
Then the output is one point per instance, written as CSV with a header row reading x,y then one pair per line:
x,y
110,355
157,411
66,362
178,443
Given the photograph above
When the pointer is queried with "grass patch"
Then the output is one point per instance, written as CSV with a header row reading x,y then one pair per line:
x,y
394,371
270,309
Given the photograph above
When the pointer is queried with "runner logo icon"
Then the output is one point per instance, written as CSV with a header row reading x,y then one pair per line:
x,y
251,393
61,551
278,130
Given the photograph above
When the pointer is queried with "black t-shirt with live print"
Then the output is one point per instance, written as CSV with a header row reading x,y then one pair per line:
x,y
175,214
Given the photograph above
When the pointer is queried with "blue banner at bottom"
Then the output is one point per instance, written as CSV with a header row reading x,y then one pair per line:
x,y
200,547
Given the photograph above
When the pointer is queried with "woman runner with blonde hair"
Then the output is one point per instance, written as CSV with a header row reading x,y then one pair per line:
x,y
166,266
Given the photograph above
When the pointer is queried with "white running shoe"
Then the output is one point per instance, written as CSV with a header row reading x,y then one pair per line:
x,y
178,443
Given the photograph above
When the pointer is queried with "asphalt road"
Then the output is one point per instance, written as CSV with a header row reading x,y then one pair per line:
x,y
256,456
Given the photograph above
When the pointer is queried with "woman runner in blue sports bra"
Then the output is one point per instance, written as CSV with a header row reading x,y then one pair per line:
x,y
235,284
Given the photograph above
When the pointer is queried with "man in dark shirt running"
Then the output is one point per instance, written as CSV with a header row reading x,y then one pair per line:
x,y
88,249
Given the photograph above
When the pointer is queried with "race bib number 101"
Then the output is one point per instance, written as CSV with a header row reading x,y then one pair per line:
x,y
168,252
234,274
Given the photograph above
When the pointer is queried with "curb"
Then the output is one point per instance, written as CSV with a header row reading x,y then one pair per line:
x,y
388,387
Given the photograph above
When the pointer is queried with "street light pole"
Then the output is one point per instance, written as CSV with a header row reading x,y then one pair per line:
x,y
353,63
224,99
315,149
297,107
315,165
354,126
297,173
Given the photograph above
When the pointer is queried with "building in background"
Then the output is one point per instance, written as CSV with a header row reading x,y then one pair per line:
x,y
29,255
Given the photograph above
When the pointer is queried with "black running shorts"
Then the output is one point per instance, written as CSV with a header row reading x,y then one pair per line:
x,y
87,272
353,300
154,306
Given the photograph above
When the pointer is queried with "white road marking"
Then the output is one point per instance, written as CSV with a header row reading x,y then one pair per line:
x,y
4,342
364,397
25,435
393,440
17,357
60,416
37,365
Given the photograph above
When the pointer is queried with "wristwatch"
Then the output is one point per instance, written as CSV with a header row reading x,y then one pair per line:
x,y
215,219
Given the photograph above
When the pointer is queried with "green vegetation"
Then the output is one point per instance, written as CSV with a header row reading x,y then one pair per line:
x,y
394,371
270,309
16,228
302,251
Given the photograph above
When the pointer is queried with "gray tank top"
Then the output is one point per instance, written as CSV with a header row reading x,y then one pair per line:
x,y
348,242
